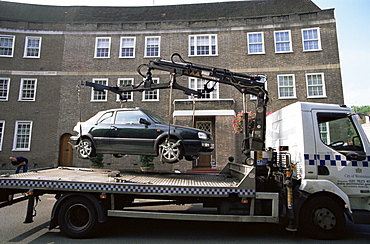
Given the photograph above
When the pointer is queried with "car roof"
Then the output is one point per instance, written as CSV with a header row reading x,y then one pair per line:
x,y
120,109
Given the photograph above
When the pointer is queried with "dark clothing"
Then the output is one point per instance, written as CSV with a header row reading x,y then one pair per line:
x,y
20,160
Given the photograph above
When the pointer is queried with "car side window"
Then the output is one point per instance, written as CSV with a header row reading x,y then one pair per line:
x,y
129,117
107,118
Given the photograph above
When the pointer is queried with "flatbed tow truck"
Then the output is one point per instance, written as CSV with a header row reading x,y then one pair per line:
x,y
291,176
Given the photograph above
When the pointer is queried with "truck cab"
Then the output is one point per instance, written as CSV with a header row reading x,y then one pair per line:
x,y
330,151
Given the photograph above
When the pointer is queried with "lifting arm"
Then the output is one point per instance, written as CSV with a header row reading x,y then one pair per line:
x,y
245,84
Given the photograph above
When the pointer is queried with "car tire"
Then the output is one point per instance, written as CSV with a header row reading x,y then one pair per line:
x,y
323,218
86,149
170,151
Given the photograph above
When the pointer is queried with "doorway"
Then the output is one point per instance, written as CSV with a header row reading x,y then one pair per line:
x,y
206,124
65,151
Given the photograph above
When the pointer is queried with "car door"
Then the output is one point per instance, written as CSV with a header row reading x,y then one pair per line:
x,y
101,130
129,136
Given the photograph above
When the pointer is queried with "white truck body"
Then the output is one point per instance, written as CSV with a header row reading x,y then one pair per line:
x,y
305,130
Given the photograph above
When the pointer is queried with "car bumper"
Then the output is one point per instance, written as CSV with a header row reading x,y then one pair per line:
x,y
74,140
196,147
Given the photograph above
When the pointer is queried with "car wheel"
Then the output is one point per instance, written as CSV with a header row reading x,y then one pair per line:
x,y
86,149
170,151
323,218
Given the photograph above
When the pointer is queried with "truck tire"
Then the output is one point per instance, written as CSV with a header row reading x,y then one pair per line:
x,y
323,218
78,217
86,149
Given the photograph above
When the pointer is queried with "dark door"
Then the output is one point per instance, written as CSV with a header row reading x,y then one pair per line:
x,y
65,151
206,125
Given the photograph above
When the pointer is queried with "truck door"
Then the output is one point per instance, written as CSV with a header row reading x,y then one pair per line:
x,y
341,155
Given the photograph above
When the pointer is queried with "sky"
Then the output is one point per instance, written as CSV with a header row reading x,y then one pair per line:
x,y
353,27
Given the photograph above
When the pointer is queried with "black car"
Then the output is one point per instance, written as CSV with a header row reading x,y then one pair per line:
x,y
140,132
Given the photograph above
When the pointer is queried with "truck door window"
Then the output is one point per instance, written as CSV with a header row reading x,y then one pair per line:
x,y
337,131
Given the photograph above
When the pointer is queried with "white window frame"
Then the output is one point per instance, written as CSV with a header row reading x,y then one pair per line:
x,y
99,93
250,50
157,46
126,81
133,47
151,93
4,89
97,47
316,85
290,86
2,129
12,38
25,89
253,97
308,39
28,47
18,133
194,45
277,42
193,84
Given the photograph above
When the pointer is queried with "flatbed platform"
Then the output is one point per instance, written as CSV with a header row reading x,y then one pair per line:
x,y
100,180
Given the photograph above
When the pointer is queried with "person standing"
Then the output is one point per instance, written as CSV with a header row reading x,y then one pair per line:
x,y
18,163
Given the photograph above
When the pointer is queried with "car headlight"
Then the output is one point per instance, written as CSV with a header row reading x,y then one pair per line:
x,y
202,135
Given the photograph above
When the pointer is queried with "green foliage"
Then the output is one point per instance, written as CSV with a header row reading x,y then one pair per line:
x,y
362,110
146,161
97,161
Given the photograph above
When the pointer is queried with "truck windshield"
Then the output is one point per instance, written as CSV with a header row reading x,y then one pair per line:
x,y
338,131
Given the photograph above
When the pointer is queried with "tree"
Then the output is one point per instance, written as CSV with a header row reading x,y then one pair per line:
x,y
362,110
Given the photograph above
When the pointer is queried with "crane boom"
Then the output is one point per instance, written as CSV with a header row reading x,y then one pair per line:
x,y
244,83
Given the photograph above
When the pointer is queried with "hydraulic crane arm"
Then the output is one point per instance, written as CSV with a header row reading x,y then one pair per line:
x,y
245,84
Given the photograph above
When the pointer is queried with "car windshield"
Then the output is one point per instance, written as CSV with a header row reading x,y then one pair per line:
x,y
155,118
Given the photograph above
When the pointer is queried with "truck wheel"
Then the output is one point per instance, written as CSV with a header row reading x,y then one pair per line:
x,y
78,218
323,218
86,149
171,151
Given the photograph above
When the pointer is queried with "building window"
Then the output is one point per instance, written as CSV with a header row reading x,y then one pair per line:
x,y
128,96
102,47
152,95
311,39
32,47
283,43
256,43
152,46
263,79
198,85
27,91
4,88
6,46
127,47
315,85
286,86
203,45
2,126
22,136
99,96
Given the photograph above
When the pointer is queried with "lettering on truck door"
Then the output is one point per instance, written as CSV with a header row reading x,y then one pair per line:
x,y
341,155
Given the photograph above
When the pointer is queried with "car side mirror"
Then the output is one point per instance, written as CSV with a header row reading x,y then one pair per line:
x,y
144,121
